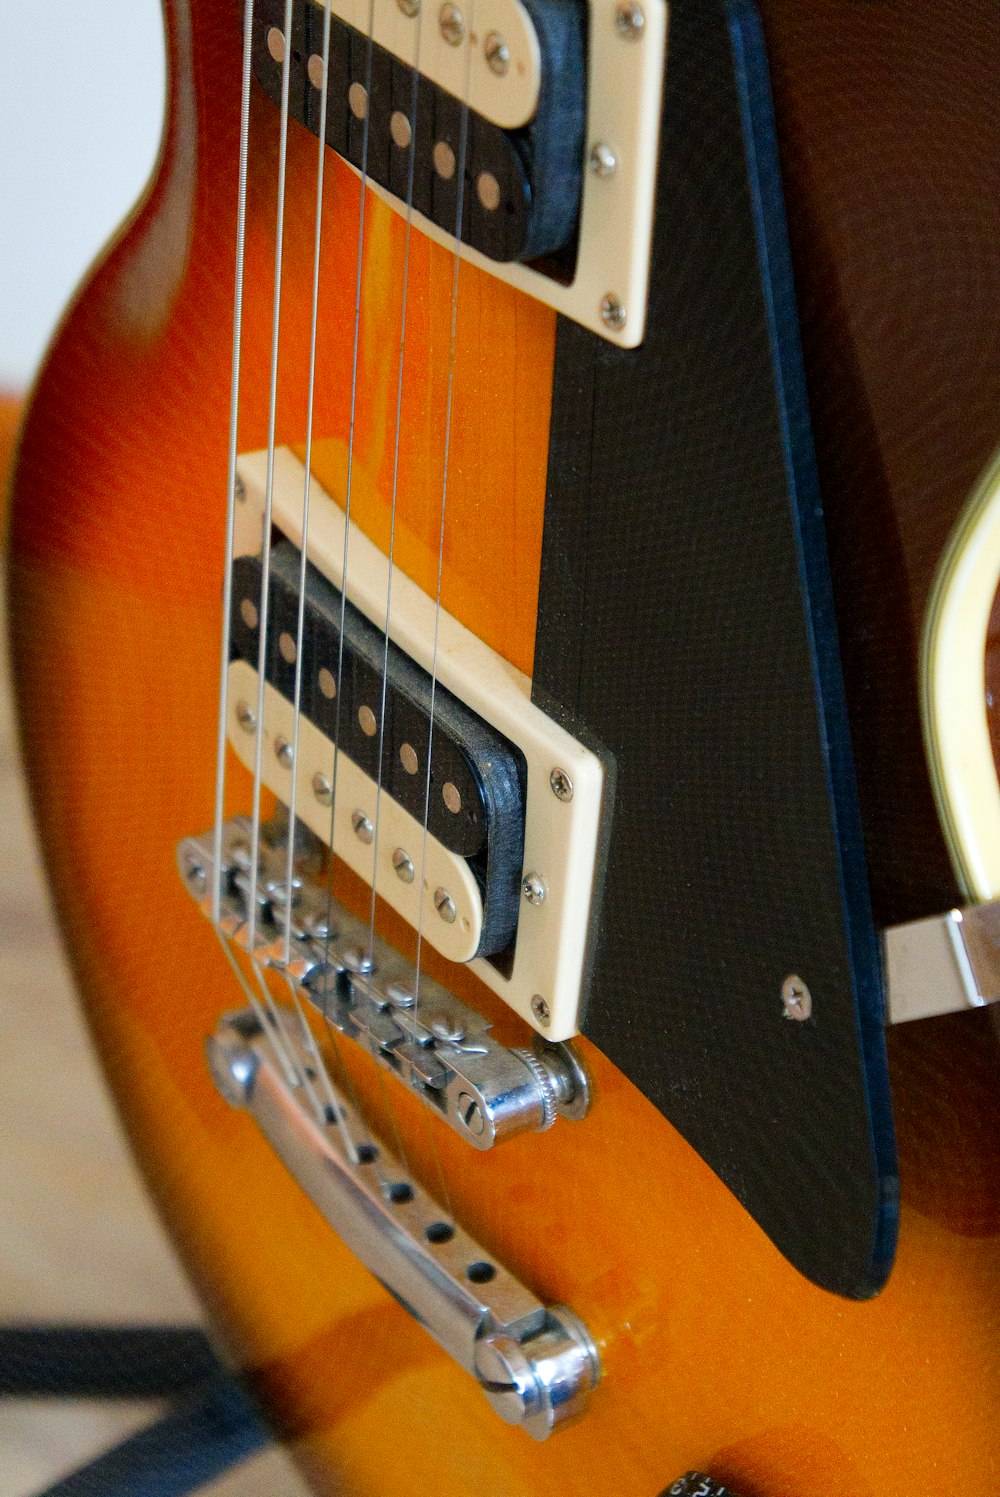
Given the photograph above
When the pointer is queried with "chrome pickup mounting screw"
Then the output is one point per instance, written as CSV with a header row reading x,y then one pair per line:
x,y
409,7
283,752
363,829
452,24
562,785
246,717
403,864
603,161
541,1010
630,22
796,998
322,789
533,888
497,53
445,906
613,314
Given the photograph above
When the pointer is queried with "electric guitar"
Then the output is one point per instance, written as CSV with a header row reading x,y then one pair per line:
x,y
504,555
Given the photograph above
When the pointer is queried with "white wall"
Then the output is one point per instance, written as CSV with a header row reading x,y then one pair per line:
x,y
81,102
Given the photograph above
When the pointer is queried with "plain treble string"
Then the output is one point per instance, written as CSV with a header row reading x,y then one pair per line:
x,y
449,409
333,1109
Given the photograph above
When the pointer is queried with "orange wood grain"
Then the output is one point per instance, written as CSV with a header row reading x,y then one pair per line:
x,y
10,418
717,1354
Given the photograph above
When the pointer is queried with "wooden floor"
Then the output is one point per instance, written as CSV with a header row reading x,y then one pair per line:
x,y
79,1241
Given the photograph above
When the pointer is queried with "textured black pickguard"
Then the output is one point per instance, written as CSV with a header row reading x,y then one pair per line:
x,y
686,621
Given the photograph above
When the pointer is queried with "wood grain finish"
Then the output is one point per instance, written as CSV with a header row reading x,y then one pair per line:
x,y
717,1354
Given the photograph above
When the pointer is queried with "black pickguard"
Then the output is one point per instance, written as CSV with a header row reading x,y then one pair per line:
x,y
686,621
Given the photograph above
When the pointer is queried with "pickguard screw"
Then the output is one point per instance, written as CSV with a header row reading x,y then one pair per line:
x,y
246,717
630,22
452,24
541,1010
409,7
497,53
533,888
613,314
363,829
322,789
562,785
283,752
796,998
403,864
445,906
471,1113
603,161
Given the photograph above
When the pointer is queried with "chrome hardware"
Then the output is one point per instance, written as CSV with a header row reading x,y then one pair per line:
x,y
497,54
439,1048
562,785
630,22
944,964
540,1009
533,888
537,1365
796,999
603,162
613,314
451,24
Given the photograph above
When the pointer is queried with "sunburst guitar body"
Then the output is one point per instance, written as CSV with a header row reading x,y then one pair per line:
x,y
647,654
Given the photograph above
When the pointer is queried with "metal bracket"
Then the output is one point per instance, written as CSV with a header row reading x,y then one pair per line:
x,y
944,964
438,1047
537,1365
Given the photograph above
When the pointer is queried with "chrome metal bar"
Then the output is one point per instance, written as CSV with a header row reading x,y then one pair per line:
x,y
442,1051
943,964
536,1365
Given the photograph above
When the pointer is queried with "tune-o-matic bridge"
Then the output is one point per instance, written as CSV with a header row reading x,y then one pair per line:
x,y
439,1048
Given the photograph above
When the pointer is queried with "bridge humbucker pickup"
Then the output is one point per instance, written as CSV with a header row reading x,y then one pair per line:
x,y
476,804
522,186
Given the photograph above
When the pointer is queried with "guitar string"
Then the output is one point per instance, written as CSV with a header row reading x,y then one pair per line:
x,y
274,1033
334,1111
449,407
344,1068
234,410
452,339
264,608
400,369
